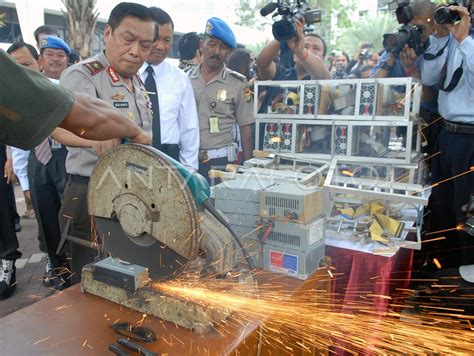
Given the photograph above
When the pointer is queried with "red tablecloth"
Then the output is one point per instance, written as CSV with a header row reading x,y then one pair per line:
x,y
366,281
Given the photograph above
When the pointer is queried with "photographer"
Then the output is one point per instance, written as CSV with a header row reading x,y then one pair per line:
x,y
301,58
360,58
408,63
449,63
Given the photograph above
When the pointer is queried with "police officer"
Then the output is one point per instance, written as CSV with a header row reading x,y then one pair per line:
x,y
54,56
112,76
223,100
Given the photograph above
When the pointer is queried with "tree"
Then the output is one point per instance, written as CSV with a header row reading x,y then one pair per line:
x,y
248,13
367,30
81,18
335,13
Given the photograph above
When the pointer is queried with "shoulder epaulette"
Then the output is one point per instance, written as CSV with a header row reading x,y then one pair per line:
x,y
94,67
237,75
193,72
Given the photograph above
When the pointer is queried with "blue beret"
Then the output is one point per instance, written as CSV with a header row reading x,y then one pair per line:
x,y
54,42
215,27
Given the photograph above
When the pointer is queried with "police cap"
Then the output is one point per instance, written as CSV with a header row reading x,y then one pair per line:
x,y
217,28
55,43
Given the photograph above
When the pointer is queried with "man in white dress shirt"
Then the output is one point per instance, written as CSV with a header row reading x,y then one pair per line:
x,y
179,125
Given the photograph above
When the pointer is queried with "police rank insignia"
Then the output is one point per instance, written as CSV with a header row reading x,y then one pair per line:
x,y
94,67
221,94
113,74
247,93
118,96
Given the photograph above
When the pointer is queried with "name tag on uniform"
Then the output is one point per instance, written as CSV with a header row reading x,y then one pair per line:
x,y
213,125
121,104
55,144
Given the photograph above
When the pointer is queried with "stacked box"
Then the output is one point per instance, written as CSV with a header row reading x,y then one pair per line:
x,y
370,120
300,237
291,202
239,200
293,263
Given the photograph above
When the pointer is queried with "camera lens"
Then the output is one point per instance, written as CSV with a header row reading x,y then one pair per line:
x,y
390,41
283,30
444,15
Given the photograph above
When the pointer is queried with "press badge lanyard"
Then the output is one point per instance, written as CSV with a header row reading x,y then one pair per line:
x,y
213,120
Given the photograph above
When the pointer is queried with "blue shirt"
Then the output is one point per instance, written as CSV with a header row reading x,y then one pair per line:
x,y
397,70
457,105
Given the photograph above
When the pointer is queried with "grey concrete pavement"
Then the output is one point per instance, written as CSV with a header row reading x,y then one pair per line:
x,y
30,268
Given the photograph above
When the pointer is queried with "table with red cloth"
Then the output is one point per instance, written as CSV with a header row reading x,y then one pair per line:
x,y
365,280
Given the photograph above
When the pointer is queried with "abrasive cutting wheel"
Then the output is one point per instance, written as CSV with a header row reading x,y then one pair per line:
x,y
143,211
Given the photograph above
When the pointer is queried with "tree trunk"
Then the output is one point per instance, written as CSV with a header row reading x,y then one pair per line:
x,y
81,17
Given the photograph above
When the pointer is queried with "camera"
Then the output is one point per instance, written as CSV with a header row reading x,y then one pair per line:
x,y
290,12
365,54
443,15
407,34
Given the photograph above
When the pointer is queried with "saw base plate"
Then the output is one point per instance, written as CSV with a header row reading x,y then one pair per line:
x,y
147,300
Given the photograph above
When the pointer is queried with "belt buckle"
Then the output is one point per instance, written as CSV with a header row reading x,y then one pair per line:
x,y
454,128
449,126
203,156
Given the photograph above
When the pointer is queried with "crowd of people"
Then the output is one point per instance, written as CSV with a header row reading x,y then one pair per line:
x,y
201,114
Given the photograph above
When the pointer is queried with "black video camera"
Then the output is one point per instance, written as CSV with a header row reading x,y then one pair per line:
x,y
443,15
407,34
285,28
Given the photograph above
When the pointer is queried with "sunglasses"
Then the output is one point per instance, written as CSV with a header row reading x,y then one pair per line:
x,y
137,333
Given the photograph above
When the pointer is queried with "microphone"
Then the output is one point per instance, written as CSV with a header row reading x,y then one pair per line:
x,y
268,8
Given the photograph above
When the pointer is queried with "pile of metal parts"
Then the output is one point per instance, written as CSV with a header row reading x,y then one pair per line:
x,y
342,166
278,211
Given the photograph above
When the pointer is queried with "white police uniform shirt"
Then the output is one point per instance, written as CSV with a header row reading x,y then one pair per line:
x,y
178,115
457,105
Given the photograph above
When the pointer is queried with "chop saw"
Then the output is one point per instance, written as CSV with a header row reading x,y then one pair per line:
x,y
155,222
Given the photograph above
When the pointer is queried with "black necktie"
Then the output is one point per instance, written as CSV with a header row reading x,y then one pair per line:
x,y
150,86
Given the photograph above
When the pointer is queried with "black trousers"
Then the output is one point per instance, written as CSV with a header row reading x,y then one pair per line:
x,y
47,186
8,239
74,209
455,158
171,150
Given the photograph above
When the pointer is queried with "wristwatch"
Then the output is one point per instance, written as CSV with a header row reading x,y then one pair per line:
x,y
386,66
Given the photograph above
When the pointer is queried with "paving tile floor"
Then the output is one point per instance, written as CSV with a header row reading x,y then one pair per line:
x,y
30,268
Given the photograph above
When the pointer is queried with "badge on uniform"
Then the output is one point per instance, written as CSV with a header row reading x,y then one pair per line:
x,y
222,95
118,96
94,67
214,125
248,93
55,144
113,74
120,104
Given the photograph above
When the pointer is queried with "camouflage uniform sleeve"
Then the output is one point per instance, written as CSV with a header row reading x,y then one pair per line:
x,y
30,105
244,107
